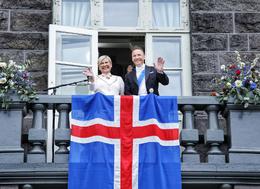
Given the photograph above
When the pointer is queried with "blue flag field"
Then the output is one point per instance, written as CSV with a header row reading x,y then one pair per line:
x,y
124,142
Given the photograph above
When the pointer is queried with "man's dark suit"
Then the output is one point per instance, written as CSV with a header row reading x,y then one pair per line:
x,y
152,80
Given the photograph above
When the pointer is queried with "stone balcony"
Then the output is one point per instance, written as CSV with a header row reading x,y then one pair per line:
x,y
217,151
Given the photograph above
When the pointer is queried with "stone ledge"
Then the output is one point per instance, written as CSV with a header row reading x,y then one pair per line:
x,y
56,173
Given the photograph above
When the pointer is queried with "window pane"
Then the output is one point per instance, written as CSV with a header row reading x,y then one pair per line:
x,y
69,74
169,48
121,13
174,87
76,13
166,13
73,48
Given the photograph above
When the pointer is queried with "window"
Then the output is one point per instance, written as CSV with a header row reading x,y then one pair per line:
x,y
160,26
171,48
115,13
76,13
123,15
166,13
70,50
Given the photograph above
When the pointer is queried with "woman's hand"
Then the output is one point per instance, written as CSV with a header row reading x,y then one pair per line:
x,y
88,72
159,65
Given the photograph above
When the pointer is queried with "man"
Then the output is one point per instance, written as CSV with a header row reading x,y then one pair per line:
x,y
144,79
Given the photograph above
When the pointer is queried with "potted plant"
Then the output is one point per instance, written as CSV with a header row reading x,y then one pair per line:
x,y
239,82
239,88
15,87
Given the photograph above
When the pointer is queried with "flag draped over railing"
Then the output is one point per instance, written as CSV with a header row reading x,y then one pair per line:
x,y
124,142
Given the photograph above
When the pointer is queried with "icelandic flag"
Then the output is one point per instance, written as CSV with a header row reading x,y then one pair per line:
x,y
124,142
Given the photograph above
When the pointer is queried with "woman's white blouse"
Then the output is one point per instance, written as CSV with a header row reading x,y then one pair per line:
x,y
113,85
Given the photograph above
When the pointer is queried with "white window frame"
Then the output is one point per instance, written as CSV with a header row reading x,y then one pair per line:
x,y
53,29
184,17
145,17
185,59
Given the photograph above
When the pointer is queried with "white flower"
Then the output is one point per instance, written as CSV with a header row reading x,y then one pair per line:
x,y
11,83
242,64
228,85
3,80
2,64
246,98
223,67
255,60
222,77
237,53
238,83
11,63
238,56
19,67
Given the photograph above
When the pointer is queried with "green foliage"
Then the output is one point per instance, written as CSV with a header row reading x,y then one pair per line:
x,y
239,82
14,77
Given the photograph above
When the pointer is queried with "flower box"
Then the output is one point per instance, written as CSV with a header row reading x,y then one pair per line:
x,y
11,133
243,132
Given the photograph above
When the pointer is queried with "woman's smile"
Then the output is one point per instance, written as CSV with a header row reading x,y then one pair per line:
x,y
105,66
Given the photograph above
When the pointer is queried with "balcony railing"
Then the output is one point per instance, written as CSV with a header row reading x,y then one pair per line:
x,y
217,151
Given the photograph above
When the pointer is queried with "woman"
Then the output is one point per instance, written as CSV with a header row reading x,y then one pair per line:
x,y
105,83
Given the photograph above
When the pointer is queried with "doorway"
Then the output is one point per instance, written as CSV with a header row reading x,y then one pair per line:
x,y
118,48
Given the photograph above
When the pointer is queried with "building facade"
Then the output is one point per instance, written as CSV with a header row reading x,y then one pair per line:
x,y
203,35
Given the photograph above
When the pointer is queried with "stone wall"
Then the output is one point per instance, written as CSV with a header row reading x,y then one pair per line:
x,y
218,28
24,35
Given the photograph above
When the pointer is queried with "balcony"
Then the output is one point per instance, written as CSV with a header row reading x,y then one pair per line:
x,y
220,144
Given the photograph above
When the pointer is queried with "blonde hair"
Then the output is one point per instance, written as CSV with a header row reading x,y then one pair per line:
x,y
103,57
